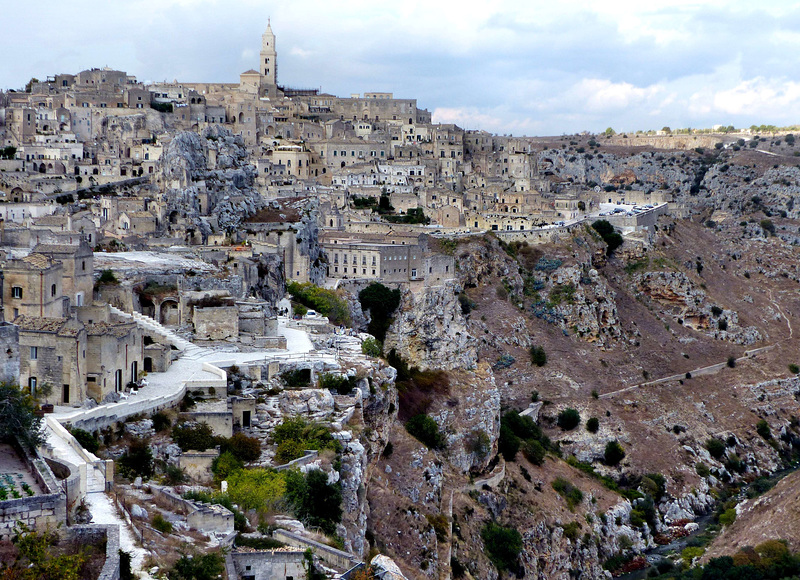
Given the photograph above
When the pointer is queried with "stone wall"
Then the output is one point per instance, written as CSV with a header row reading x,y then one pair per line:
x,y
201,516
96,534
221,422
197,464
269,564
9,353
216,323
331,556
48,509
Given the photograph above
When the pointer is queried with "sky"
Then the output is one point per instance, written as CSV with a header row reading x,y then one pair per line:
x,y
521,67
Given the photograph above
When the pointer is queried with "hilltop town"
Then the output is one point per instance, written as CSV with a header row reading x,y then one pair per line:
x,y
324,336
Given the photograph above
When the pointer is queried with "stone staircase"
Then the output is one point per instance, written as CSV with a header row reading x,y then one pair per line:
x,y
189,350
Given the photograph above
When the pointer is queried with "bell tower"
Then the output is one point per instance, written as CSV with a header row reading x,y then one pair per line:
x,y
268,66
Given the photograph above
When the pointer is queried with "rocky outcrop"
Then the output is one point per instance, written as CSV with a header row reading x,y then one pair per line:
x,y
429,330
690,307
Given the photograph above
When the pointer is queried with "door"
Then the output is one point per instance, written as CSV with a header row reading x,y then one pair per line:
x,y
245,419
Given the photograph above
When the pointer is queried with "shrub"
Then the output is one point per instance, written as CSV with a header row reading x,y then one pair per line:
x,y
326,302
767,226
440,525
137,460
727,517
572,530
502,545
702,469
593,425
371,347
256,489
341,384
534,452
107,277
568,419
690,553
162,525
243,447
715,448
174,475
538,356
296,378
223,466
595,394
614,453
569,492
794,369
762,428
381,303
610,236
426,430
508,443
161,421
295,435
197,436
87,440
316,502
731,361
200,567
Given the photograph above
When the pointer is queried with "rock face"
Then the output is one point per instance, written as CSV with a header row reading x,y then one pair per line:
x,y
386,569
470,418
208,174
311,403
690,307
429,330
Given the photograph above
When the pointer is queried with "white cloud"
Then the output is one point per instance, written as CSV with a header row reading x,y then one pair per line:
x,y
301,53
760,96
601,95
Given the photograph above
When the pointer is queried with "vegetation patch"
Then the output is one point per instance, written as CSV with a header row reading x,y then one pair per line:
x,y
326,302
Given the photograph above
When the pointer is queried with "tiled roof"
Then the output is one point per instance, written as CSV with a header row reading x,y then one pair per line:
x,y
38,261
34,323
114,329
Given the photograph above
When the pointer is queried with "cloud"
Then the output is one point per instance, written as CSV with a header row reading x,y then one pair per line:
x,y
601,95
301,53
760,96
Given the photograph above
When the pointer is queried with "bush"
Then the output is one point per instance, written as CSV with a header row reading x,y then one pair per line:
x,y
243,447
371,347
426,430
137,460
107,277
87,440
538,356
727,517
257,489
593,425
534,452
610,236
162,525
326,302
381,303
794,369
569,492
223,466
295,435
200,567
316,502
161,421
502,545
614,453
731,361
296,378
174,475
568,419
341,384
197,437
702,469
762,428
508,443
715,448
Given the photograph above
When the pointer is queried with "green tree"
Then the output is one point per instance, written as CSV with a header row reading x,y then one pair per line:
x,y
568,419
208,566
502,545
371,347
426,430
36,560
316,502
610,236
18,416
593,425
538,356
381,303
137,459
614,453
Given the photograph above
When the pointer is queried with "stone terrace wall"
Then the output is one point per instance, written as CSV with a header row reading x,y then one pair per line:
x,y
38,511
331,556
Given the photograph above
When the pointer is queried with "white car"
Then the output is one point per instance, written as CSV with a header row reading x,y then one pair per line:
x,y
311,314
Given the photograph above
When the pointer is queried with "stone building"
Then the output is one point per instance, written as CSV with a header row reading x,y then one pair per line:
x,y
115,357
33,287
53,358
77,262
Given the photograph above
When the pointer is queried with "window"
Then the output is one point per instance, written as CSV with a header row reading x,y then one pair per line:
x,y
34,352
413,272
16,291
32,385
53,290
